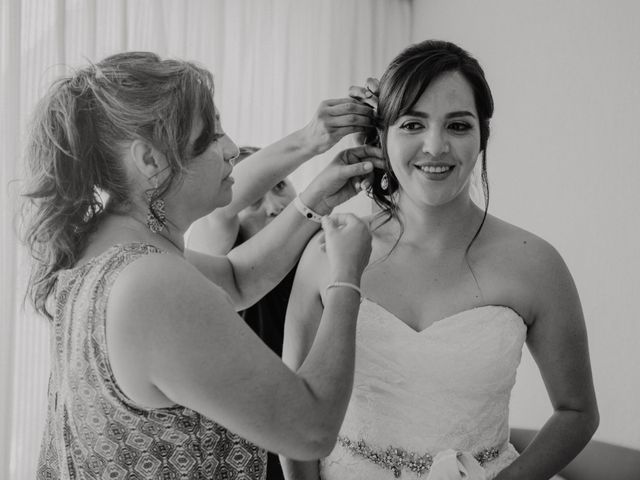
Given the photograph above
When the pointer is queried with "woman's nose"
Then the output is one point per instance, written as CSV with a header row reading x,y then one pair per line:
x,y
435,142
230,150
273,205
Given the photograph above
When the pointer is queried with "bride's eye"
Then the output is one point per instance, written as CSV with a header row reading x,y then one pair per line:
x,y
459,127
411,126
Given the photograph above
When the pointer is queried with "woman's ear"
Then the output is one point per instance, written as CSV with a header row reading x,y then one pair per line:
x,y
148,160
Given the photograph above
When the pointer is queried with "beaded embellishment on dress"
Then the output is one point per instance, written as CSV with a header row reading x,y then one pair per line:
x,y
397,459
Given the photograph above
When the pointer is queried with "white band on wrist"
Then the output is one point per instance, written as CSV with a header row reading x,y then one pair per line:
x,y
306,211
344,284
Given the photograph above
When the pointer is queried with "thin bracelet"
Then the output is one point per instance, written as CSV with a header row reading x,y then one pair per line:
x,y
344,284
306,211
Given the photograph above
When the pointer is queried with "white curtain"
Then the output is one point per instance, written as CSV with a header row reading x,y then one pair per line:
x,y
273,60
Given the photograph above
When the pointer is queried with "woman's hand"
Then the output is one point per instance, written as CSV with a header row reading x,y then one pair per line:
x,y
368,94
347,241
333,120
350,171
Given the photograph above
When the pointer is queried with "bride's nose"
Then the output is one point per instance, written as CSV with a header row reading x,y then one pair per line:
x,y
435,142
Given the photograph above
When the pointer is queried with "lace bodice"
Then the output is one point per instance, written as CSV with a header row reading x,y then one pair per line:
x,y
445,387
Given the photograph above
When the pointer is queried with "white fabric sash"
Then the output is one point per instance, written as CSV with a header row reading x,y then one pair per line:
x,y
453,465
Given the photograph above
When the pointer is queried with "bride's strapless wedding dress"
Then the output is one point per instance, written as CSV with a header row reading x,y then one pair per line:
x,y
430,404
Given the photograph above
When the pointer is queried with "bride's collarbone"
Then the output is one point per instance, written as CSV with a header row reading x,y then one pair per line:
x,y
420,304
420,294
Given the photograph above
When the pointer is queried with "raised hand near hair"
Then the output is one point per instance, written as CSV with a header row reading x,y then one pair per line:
x,y
333,120
367,94
347,241
340,180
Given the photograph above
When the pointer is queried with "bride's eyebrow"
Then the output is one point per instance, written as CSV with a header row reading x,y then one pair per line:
x,y
420,114
415,113
460,113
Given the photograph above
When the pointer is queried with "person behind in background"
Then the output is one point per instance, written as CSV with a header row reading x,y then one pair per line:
x,y
212,234
264,170
153,373
449,298
261,192
230,226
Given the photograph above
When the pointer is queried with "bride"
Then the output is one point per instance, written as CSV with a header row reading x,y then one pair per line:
x,y
448,300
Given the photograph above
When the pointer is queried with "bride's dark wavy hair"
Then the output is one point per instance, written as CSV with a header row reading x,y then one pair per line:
x,y
75,144
401,86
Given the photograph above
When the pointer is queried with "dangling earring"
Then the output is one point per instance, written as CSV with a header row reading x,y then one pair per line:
x,y
384,182
155,216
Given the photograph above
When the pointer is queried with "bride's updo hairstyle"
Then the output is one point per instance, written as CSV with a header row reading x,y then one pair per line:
x,y
79,134
401,86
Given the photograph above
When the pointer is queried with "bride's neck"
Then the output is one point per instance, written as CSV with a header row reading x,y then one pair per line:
x,y
438,228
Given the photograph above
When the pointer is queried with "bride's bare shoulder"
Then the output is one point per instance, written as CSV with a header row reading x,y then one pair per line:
x,y
313,267
515,247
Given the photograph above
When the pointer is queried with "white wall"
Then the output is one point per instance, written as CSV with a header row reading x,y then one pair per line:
x,y
564,163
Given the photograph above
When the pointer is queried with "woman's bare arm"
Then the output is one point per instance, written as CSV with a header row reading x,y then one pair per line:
x,y
301,326
557,339
216,233
252,269
179,335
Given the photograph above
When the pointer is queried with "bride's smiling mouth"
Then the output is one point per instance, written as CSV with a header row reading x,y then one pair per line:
x,y
438,171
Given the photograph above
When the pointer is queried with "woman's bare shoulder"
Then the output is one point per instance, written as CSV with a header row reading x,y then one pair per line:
x,y
160,278
528,246
520,269
314,263
521,253
159,302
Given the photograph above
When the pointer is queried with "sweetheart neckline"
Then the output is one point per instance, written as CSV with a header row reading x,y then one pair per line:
x,y
442,320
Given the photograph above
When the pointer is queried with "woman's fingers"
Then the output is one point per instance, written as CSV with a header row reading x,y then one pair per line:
x,y
362,153
365,154
334,119
349,113
322,240
358,92
348,106
367,95
372,85
356,169
359,157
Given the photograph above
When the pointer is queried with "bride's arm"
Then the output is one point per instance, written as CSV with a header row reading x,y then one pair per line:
x,y
557,339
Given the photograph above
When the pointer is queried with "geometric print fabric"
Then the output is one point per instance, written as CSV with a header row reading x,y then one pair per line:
x,y
93,431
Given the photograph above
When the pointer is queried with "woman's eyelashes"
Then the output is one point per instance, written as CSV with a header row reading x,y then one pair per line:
x,y
279,186
411,126
456,127
205,140
460,127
